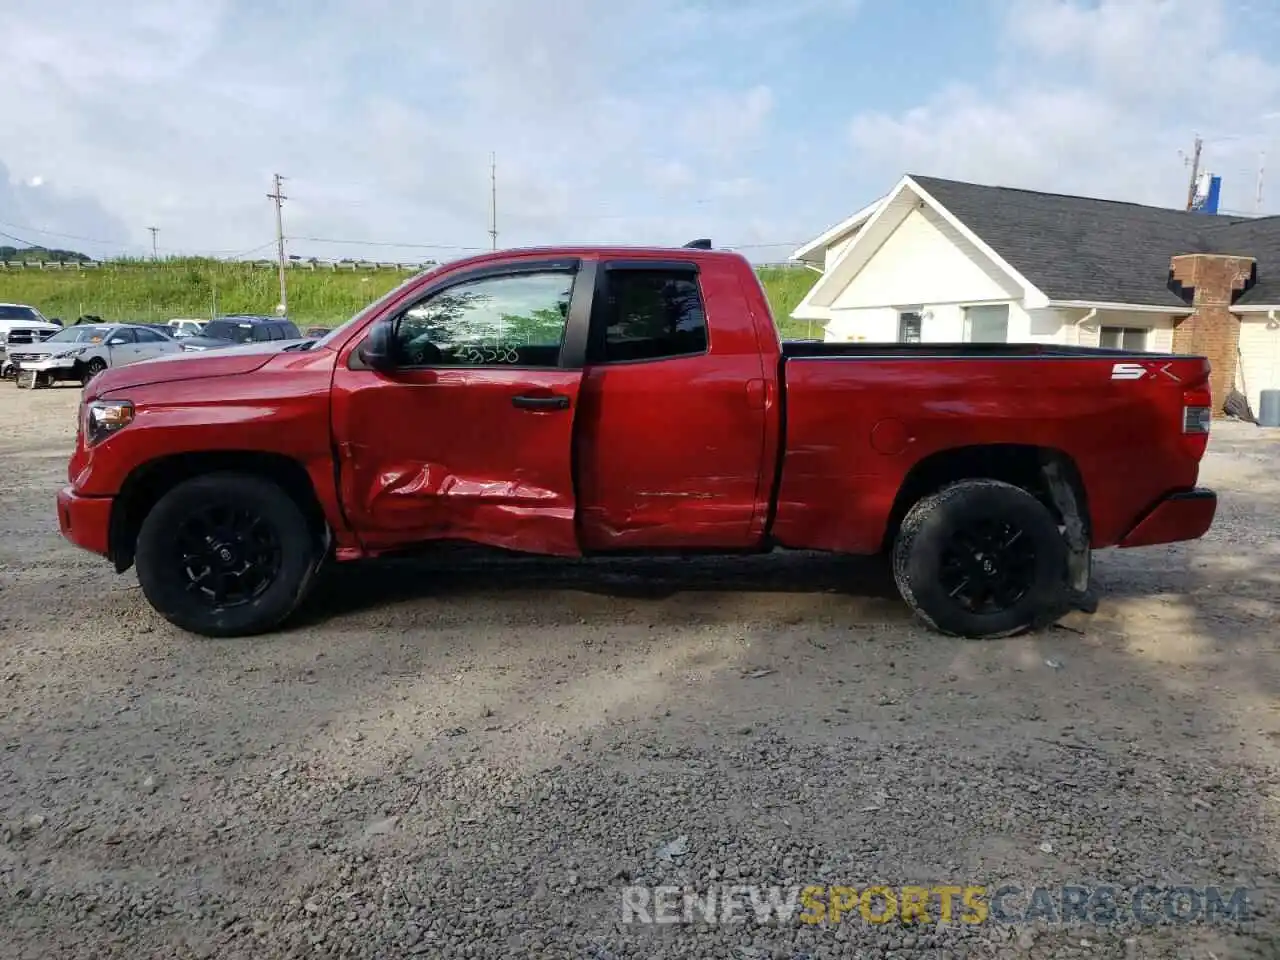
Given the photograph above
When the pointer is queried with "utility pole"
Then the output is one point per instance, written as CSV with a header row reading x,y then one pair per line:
x,y
154,231
1195,172
493,199
278,196
1262,166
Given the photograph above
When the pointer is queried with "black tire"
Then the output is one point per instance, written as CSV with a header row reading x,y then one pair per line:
x,y
982,559
92,369
206,529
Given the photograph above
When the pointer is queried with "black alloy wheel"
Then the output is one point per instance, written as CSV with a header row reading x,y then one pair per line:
x,y
982,559
230,554
988,565
227,554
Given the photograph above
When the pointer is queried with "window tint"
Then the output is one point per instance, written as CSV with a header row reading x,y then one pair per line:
x,y
649,315
149,336
123,333
262,331
290,332
511,320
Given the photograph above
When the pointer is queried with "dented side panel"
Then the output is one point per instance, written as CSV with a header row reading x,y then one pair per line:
x,y
446,454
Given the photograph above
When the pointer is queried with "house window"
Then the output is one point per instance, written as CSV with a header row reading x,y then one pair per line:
x,y
1124,338
909,326
987,324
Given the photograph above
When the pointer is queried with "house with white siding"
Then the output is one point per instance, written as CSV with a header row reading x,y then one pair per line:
x,y
944,261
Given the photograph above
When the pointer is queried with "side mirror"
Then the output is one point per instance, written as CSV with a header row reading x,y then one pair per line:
x,y
377,350
116,341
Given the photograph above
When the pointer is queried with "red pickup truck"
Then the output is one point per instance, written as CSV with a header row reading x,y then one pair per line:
x,y
591,401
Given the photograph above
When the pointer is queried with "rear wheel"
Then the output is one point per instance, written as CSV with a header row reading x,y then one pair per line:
x,y
982,559
226,554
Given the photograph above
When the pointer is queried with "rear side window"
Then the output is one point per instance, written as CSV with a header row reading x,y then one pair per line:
x,y
290,332
649,315
262,332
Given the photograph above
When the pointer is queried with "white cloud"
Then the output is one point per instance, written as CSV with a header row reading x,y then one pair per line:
x,y
177,112
1095,98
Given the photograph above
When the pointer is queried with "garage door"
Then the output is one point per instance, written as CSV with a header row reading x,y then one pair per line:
x,y
1259,367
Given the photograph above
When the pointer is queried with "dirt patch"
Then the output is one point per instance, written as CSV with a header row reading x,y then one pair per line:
x,y
473,758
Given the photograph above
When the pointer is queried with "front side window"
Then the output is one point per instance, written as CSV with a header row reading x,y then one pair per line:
x,y
649,315
122,335
513,320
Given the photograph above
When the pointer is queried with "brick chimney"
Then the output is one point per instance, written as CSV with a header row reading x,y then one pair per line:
x,y
1212,330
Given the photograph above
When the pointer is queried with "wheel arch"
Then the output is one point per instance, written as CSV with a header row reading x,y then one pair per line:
x,y
148,482
1048,473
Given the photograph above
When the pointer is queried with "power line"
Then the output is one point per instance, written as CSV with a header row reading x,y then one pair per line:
x,y
10,236
65,236
388,243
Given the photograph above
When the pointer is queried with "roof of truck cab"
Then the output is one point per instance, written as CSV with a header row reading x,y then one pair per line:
x,y
587,251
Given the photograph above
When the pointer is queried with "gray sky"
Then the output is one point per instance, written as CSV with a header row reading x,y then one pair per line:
x,y
754,122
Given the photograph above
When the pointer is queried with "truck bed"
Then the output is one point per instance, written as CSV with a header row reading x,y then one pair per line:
x,y
816,350
855,434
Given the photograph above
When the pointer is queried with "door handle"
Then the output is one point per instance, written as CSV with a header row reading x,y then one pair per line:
x,y
553,402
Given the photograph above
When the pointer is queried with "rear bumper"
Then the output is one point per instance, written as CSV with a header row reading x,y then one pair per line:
x,y
1179,516
85,521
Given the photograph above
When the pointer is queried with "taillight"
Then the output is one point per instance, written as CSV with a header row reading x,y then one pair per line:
x,y
1196,419
1197,416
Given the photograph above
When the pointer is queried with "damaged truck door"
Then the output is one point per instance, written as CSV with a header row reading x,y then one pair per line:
x,y
454,418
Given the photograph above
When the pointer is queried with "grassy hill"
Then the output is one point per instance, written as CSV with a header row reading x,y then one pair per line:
x,y
147,291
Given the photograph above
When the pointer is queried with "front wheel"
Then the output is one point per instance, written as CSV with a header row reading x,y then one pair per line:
x,y
92,369
982,559
226,555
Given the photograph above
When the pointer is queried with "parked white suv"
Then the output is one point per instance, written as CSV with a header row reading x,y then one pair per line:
x,y
21,324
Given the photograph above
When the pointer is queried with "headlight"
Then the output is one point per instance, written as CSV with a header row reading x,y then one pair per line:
x,y
104,417
68,353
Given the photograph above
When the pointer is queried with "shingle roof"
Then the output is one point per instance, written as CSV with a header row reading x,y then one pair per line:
x,y
1080,248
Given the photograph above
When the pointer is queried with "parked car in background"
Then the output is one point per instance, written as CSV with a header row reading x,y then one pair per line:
x,y
183,327
317,331
24,324
81,352
231,330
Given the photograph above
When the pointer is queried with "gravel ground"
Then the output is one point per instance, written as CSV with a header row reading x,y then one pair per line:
x,y
470,758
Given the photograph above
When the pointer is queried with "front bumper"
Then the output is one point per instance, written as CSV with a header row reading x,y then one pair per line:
x,y
85,521
47,365
1179,516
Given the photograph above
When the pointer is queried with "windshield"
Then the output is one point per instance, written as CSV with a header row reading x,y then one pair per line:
x,y
8,312
228,330
341,331
79,335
